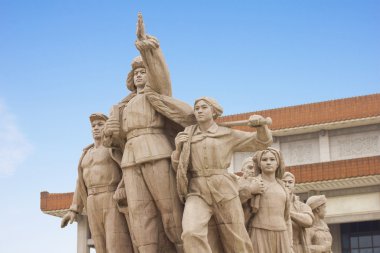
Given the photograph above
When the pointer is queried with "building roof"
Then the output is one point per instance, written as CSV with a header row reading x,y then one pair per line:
x,y
339,110
55,203
305,174
333,170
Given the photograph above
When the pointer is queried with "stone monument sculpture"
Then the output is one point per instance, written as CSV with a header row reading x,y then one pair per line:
x,y
155,179
270,226
201,158
144,125
319,236
301,215
99,174
247,168
248,187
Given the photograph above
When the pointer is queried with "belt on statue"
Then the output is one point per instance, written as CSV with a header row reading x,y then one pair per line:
x,y
100,189
208,172
141,131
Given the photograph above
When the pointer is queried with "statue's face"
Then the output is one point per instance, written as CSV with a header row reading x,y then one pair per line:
x,y
322,211
203,111
248,169
289,183
139,77
268,163
97,128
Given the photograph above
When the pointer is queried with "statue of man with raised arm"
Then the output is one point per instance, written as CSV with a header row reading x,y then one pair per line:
x,y
144,125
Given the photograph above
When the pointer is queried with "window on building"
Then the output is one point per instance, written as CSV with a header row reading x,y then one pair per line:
x,y
361,237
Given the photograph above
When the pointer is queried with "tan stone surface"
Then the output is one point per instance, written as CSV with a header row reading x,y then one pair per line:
x,y
301,215
142,125
319,236
98,176
204,151
270,225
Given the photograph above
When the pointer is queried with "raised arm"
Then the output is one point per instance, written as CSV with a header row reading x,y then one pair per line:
x,y
156,68
264,135
251,142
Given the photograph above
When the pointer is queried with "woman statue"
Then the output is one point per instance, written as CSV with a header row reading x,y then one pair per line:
x,y
270,227
320,239
202,156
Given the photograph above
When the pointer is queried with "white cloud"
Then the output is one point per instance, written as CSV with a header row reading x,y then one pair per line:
x,y
14,147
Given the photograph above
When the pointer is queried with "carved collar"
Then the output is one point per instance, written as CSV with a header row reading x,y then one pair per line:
x,y
212,129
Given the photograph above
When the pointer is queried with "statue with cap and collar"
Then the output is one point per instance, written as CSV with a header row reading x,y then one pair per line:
x,y
201,158
99,174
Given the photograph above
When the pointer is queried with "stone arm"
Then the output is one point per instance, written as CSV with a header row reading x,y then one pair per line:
x,y
248,187
77,203
112,132
251,142
303,219
75,208
289,229
175,159
120,196
156,68
180,139
264,135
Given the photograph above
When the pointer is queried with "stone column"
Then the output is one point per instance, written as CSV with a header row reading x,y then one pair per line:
x,y
83,234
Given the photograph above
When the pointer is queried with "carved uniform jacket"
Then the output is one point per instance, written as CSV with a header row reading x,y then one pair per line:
x,y
211,154
151,119
144,129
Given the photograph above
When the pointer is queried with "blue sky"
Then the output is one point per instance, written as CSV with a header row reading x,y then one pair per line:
x,y
62,60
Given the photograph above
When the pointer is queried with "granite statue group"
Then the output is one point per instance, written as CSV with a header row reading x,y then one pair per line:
x,y
155,179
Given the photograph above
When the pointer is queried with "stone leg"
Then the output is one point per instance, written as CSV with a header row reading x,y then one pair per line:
x,y
143,213
118,238
160,180
230,220
108,226
213,237
95,221
195,221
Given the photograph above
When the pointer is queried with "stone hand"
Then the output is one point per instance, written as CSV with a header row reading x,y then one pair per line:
x,y
180,140
257,187
149,42
258,121
70,216
140,30
112,127
119,194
